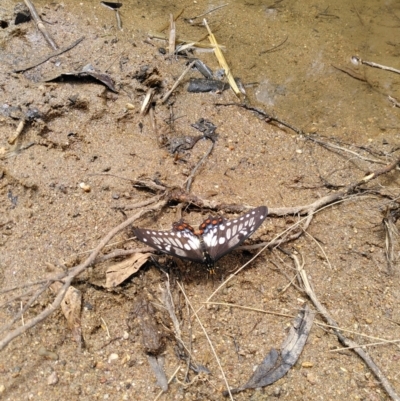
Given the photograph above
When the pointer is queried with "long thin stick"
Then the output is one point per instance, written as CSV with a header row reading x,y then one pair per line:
x,y
42,60
71,276
358,60
175,85
344,340
208,12
40,24
208,339
193,173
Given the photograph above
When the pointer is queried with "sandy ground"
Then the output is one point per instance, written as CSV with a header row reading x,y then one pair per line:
x,y
70,178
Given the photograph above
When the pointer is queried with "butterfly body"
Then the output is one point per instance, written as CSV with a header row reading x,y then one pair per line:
x,y
214,239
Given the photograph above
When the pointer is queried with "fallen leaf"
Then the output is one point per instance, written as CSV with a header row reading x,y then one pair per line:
x,y
275,365
119,272
71,306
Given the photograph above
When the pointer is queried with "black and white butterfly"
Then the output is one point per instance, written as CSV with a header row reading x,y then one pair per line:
x,y
215,238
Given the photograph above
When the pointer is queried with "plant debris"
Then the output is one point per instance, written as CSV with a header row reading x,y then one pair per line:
x,y
119,272
275,365
87,71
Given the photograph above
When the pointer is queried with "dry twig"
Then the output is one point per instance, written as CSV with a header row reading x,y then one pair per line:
x,y
193,173
357,60
67,278
40,24
209,341
344,340
43,59
178,81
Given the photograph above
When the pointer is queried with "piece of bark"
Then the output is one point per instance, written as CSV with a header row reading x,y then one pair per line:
x,y
152,332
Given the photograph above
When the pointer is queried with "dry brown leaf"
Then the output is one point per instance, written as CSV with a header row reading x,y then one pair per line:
x,y
119,272
71,307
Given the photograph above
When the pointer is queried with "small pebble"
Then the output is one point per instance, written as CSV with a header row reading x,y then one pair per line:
x,y
112,358
52,379
126,359
16,371
88,306
130,106
115,196
45,353
277,391
85,187
100,365
307,365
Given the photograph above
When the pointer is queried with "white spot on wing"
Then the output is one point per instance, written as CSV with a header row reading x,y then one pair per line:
x,y
172,241
234,229
233,241
208,238
221,241
155,240
178,243
180,252
194,243
228,233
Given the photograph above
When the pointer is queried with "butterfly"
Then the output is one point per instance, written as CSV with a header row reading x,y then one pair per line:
x,y
214,239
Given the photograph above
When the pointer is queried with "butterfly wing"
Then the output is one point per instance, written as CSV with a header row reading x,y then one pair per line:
x,y
221,238
181,243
